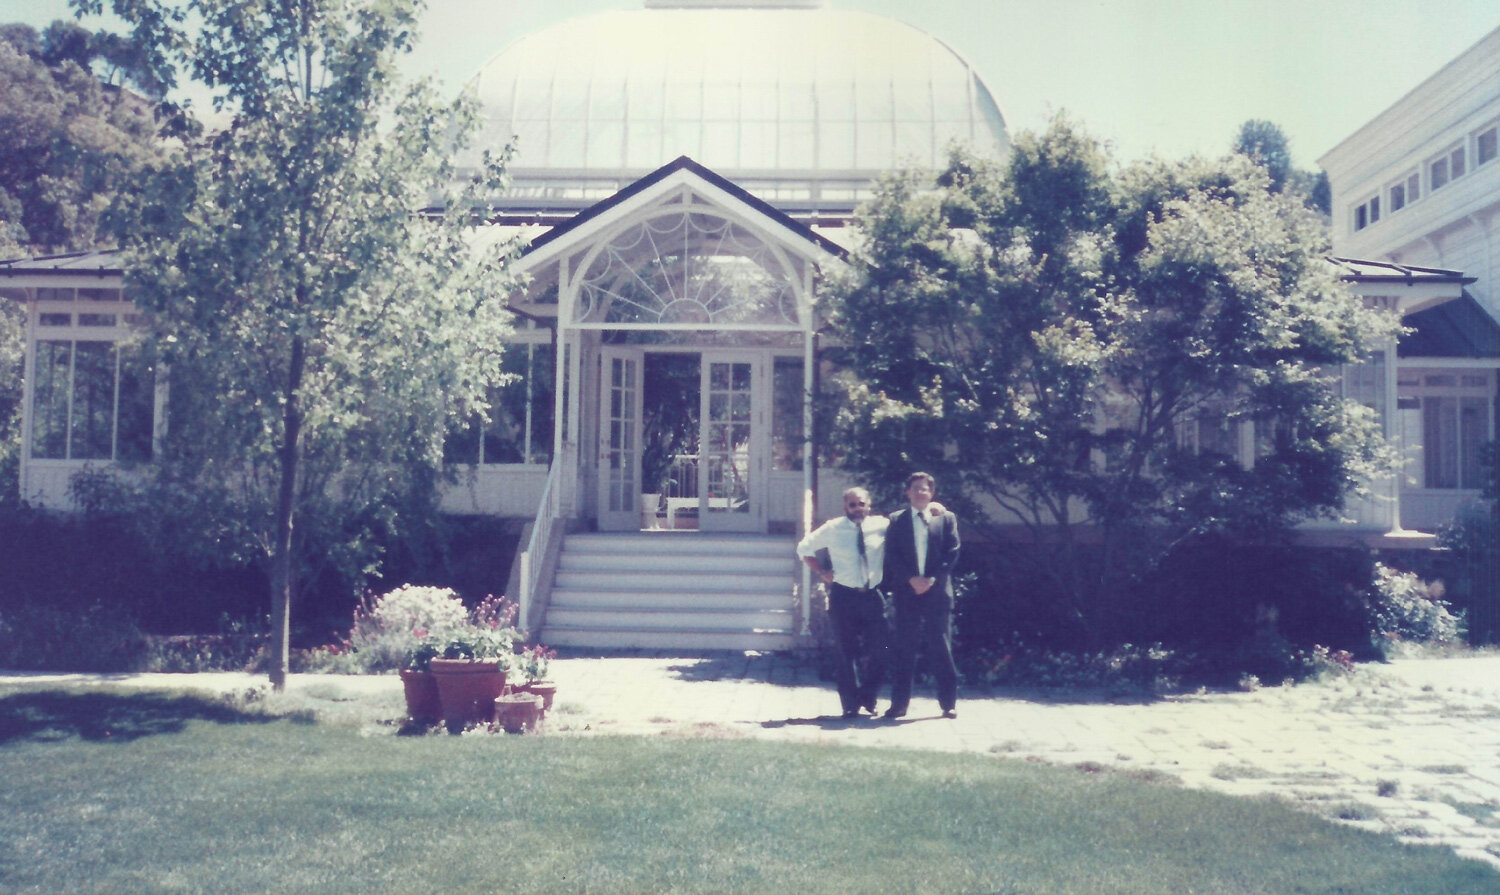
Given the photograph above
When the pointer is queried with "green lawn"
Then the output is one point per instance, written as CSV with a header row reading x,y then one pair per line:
x,y
111,792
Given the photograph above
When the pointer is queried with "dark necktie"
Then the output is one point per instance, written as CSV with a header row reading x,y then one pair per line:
x,y
864,558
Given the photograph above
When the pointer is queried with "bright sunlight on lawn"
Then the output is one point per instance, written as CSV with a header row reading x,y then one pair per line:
x,y
110,791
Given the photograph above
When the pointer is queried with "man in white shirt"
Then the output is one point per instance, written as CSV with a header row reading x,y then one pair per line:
x,y
855,543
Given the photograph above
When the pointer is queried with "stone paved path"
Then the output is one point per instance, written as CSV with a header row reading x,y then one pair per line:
x,y
1411,748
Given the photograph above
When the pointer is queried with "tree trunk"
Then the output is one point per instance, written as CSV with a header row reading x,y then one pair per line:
x,y
286,499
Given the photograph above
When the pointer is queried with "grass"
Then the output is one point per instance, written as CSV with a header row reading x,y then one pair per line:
x,y
108,791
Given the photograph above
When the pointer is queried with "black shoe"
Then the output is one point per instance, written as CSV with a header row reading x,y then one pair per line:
x,y
850,715
950,713
893,714
870,707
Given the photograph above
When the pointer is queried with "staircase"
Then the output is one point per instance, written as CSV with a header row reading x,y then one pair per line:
x,y
673,590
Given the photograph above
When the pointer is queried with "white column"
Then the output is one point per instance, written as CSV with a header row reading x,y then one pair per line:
x,y
808,358
1388,428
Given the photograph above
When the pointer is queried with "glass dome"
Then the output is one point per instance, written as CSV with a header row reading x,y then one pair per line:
x,y
799,105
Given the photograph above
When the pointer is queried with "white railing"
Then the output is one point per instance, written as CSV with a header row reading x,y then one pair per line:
x,y
533,559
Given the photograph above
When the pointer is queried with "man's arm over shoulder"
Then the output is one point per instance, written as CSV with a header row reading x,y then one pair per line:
x,y
816,539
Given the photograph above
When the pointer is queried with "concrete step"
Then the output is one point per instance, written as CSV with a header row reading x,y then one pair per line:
x,y
638,638
682,543
677,564
672,619
661,582
618,599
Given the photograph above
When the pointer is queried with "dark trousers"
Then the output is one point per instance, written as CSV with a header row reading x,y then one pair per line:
x,y
864,643
924,623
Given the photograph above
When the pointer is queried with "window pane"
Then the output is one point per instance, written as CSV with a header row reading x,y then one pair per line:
x,y
137,398
1440,442
49,402
786,414
543,398
1398,197
1359,218
461,444
1413,188
1374,209
525,402
1456,163
1473,429
1485,146
1438,173
91,437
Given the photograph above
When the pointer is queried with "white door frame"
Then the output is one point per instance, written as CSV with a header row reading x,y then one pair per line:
x,y
621,370
723,412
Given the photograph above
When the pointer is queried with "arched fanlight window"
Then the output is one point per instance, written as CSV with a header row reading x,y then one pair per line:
x,y
687,268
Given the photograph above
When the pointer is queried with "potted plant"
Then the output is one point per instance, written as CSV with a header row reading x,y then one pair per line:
x,y
533,662
422,700
518,712
471,673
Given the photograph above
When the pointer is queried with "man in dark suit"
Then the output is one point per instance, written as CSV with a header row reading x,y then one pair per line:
x,y
920,551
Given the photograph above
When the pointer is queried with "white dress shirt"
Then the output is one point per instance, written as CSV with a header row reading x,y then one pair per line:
x,y
919,532
840,537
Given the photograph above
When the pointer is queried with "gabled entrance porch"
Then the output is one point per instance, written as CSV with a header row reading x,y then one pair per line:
x,y
684,333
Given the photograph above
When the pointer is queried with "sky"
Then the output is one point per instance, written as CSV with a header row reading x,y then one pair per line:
x,y
1165,77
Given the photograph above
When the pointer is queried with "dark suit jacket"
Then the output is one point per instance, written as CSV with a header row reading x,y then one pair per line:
x,y
901,553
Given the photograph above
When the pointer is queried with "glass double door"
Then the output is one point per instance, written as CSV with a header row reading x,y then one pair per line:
x,y
699,440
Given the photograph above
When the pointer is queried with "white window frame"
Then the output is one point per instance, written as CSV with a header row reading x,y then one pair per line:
x,y
1410,185
1456,152
1367,213
522,338
121,313
1416,384
1492,130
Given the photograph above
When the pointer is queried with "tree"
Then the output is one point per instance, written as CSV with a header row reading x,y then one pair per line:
x,y
1266,144
1043,334
67,141
319,332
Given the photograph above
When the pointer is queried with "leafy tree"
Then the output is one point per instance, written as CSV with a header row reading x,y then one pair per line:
x,y
1266,144
1043,334
67,141
319,333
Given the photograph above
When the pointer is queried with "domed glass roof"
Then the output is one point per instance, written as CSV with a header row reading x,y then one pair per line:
x,y
801,106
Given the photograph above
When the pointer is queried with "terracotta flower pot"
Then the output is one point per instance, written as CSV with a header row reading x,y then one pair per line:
x,y
545,689
468,688
518,712
422,700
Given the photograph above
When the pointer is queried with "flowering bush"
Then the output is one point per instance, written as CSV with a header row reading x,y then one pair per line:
x,y
494,612
386,630
1406,609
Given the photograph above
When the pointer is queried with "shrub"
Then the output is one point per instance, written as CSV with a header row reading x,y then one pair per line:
x,y
1405,608
1125,670
48,638
238,646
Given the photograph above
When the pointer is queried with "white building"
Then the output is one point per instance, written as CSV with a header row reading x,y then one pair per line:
x,y
685,175
1417,189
